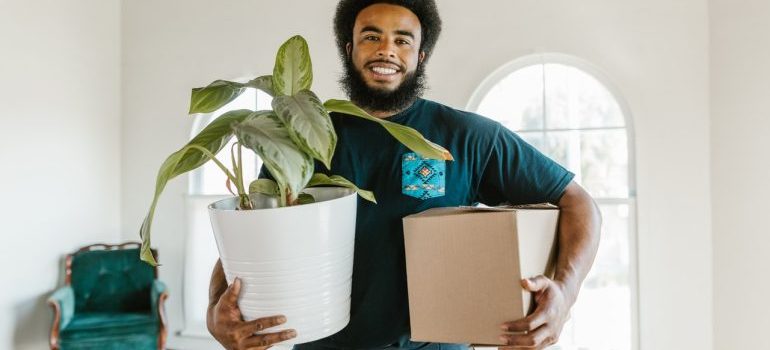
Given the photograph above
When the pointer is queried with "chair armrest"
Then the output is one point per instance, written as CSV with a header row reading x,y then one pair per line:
x,y
63,299
63,303
157,296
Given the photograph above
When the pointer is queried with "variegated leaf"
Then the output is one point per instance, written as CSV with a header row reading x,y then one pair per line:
x,y
293,69
213,138
409,137
264,186
212,97
320,179
308,123
221,92
264,83
269,138
305,198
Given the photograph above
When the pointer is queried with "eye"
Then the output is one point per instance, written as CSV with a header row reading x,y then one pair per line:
x,y
402,42
371,38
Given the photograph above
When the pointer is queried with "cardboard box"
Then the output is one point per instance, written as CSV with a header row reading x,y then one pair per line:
x,y
464,267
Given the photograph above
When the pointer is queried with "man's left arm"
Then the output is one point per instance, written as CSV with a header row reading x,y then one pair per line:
x,y
578,241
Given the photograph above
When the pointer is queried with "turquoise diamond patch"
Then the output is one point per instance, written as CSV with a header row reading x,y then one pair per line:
x,y
422,177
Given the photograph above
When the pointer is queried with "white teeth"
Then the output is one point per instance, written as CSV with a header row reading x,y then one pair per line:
x,y
382,70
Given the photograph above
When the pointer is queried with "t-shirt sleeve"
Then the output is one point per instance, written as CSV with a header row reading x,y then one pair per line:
x,y
517,173
265,174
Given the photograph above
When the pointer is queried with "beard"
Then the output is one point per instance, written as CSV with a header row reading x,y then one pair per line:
x,y
380,100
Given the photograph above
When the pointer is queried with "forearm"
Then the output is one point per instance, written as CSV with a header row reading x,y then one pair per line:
x,y
578,239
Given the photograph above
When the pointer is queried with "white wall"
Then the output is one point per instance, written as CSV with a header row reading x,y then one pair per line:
x,y
655,51
740,52
59,146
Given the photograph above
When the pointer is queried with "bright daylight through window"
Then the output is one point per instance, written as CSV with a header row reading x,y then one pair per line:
x,y
574,119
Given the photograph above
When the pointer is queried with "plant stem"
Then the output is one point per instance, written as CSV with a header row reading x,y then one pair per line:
x,y
245,200
282,196
240,158
213,157
237,170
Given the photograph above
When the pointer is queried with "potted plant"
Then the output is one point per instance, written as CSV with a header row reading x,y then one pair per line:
x,y
290,241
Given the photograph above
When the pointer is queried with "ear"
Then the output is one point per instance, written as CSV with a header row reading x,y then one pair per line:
x,y
348,48
422,56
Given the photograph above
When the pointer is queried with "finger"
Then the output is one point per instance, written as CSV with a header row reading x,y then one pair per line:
x,y
526,324
262,340
230,296
533,340
535,284
249,328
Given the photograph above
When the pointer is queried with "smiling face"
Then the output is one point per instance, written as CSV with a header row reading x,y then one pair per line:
x,y
386,46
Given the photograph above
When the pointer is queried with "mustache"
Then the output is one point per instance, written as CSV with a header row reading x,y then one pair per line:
x,y
411,88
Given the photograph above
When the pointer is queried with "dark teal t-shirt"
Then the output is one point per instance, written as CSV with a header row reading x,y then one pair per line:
x,y
492,165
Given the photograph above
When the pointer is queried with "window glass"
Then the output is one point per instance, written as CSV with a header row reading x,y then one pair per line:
x,y
516,101
209,179
574,99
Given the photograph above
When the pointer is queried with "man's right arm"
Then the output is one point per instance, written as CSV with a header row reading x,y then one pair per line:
x,y
226,324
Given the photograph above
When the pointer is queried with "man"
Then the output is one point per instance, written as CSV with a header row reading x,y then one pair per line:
x,y
384,46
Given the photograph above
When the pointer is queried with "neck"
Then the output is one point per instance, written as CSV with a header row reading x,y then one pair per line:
x,y
386,114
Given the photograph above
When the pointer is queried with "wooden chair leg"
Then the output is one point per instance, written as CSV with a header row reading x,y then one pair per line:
x,y
162,331
53,340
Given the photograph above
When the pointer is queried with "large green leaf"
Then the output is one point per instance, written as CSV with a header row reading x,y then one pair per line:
x,y
319,179
293,69
264,83
264,186
221,92
212,97
212,138
308,123
269,138
411,138
305,198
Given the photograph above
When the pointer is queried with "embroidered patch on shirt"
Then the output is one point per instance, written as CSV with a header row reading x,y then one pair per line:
x,y
421,177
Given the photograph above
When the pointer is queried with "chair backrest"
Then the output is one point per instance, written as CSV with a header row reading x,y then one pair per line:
x,y
108,278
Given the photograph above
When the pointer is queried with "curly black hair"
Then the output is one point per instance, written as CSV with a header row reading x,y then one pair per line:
x,y
425,10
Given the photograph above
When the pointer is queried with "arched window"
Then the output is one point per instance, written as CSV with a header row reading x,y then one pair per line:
x,y
565,108
207,184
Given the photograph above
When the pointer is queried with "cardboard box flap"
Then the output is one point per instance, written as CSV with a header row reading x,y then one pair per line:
x,y
475,209
535,206
511,207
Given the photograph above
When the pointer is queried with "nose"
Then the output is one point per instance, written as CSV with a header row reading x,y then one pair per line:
x,y
386,49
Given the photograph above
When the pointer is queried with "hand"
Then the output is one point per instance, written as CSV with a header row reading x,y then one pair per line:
x,y
542,327
226,324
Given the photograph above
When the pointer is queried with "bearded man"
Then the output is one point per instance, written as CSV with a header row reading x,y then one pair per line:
x,y
384,46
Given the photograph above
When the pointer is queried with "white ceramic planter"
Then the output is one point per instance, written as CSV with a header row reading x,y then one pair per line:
x,y
295,261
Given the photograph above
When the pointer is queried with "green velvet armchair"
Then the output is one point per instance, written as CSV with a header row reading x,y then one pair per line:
x,y
111,300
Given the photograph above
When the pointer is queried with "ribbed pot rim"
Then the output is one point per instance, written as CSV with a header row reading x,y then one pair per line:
x,y
344,194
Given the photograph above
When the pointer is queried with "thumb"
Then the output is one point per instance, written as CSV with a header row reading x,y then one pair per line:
x,y
230,296
535,284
